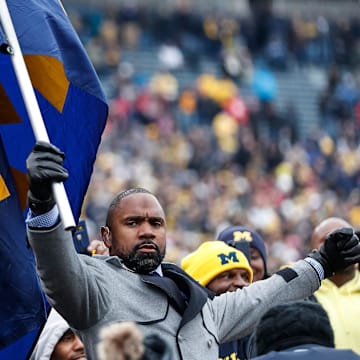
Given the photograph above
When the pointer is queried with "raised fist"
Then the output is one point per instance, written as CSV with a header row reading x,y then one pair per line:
x,y
340,249
44,166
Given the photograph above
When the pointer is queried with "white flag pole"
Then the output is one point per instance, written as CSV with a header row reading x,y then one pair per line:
x,y
32,108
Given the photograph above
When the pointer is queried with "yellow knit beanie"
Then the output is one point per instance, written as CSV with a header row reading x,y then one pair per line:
x,y
211,259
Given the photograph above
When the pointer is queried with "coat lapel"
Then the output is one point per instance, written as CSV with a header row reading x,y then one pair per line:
x,y
197,294
176,283
169,287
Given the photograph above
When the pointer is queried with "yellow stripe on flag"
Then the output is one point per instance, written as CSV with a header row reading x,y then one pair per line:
x,y
48,76
4,192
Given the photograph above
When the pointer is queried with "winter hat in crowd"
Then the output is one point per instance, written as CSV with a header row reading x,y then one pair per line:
x,y
125,341
55,327
211,259
293,324
234,235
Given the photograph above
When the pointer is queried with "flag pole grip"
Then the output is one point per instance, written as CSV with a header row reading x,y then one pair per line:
x,y
33,110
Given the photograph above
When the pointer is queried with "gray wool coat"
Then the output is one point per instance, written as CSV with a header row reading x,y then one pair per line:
x,y
90,292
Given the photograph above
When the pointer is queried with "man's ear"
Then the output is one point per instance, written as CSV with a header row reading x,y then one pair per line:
x,y
105,235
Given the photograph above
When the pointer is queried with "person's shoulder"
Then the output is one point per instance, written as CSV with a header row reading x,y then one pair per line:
x,y
310,352
95,257
101,260
269,356
325,352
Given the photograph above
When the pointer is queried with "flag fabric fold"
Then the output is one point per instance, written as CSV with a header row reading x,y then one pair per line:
x,y
74,110
20,290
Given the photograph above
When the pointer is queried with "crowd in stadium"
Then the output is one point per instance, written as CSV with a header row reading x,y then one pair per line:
x,y
212,156
223,217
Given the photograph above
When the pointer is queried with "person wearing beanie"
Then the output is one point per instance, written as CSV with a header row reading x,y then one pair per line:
x,y
221,268
300,330
235,235
57,341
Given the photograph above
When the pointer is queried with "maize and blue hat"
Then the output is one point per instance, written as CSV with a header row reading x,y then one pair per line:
x,y
213,258
234,235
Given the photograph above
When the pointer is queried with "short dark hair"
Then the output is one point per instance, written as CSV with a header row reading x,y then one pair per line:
x,y
296,323
121,195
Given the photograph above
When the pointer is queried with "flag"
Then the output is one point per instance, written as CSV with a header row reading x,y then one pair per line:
x,y
22,303
74,110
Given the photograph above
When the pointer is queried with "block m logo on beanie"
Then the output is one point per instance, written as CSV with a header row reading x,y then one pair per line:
x,y
227,258
242,235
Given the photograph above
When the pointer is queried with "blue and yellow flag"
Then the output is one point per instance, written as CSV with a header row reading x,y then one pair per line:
x,y
74,110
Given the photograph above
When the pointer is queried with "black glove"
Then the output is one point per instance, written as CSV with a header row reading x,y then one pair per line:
x,y
340,249
44,166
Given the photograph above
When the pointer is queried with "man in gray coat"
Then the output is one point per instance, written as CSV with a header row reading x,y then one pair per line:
x,y
134,284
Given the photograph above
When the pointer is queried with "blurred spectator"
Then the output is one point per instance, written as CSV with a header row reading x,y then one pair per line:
x,y
124,341
222,268
235,235
170,57
58,341
340,294
298,330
